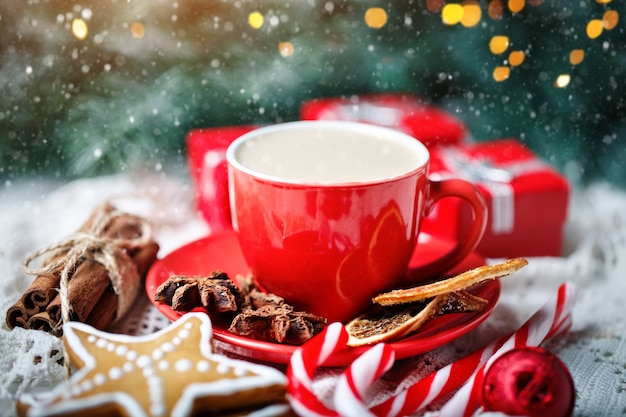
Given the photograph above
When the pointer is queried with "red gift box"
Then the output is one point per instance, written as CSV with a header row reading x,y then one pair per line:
x,y
427,123
206,153
527,199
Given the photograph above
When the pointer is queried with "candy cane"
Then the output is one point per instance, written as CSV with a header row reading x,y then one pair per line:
x,y
467,399
352,384
358,377
302,366
553,318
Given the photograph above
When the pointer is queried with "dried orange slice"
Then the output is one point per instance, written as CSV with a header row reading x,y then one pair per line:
x,y
385,324
456,283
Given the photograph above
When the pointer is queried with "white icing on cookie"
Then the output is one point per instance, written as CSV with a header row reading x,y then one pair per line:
x,y
203,366
183,365
158,354
163,365
99,379
168,347
115,373
131,355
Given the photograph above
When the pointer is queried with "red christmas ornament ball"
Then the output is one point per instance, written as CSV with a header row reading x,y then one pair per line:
x,y
531,382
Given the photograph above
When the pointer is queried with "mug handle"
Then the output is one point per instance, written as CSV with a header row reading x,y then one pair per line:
x,y
467,191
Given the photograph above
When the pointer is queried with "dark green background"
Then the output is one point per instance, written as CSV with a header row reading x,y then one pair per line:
x,y
200,64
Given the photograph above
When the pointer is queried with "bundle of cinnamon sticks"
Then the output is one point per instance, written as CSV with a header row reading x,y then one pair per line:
x,y
93,276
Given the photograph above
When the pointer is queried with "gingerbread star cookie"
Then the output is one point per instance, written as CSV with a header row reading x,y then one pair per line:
x,y
173,372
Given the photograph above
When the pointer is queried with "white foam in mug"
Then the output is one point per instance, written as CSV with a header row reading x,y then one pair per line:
x,y
335,153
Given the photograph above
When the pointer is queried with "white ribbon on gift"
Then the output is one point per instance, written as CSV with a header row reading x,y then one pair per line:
x,y
377,114
496,179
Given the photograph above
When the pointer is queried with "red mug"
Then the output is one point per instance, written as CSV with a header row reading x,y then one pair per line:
x,y
328,213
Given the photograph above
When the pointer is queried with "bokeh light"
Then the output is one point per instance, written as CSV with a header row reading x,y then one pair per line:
x,y
286,49
255,20
138,30
516,58
562,81
610,19
375,17
471,13
435,6
594,28
79,29
498,44
501,73
576,56
516,6
452,13
495,10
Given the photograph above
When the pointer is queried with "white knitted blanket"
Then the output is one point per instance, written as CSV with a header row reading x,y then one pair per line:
x,y
36,214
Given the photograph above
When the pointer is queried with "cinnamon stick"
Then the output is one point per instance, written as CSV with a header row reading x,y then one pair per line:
x,y
41,321
16,315
91,282
91,296
103,314
43,291
85,288
40,292
145,256
54,309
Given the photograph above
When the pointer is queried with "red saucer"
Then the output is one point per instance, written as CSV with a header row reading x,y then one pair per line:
x,y
221,251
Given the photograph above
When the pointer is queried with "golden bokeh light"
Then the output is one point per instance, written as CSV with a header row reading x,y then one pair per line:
x,y
498,44
516,58
501,73
594,28
471,13
255,20
286,49
79,29
610,19
375,17
516,6
495,10
562,81
576,56
138,30
452,13
435,6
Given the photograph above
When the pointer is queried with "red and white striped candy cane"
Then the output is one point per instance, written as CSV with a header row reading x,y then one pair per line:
x,y
551,319
467,399
302,366
349,394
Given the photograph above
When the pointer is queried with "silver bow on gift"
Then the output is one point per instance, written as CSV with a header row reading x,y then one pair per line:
x,y
496,179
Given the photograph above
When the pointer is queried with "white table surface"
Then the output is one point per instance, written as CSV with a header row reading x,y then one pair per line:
x,y
34,214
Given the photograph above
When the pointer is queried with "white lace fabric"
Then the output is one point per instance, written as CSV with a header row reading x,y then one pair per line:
x,y
34,215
